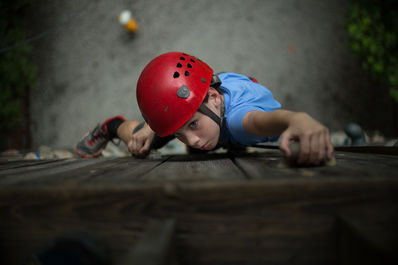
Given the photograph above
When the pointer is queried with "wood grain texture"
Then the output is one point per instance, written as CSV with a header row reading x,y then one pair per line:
x,y
197,167
16,163
78,172
268,165
33,174
227,210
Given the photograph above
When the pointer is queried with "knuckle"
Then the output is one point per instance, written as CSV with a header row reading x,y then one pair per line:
x,y
324,131
308,133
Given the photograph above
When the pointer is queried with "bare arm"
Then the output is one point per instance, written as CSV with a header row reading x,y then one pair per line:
x,y
314,137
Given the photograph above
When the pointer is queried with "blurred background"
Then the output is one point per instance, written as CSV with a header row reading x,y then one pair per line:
x,y
74,64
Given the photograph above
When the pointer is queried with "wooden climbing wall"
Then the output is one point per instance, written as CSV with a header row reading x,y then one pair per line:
x,y
238,208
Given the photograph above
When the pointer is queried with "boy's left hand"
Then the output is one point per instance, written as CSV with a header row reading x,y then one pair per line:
x,y
314,140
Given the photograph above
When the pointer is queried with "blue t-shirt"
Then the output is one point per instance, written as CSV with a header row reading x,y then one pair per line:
x,y
241,95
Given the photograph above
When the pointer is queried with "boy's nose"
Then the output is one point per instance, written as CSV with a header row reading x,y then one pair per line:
x,y
193,140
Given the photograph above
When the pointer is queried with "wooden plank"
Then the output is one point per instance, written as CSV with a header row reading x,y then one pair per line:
x,y
83,172
271,165
198,167
17,163
27,166
27,175
370,149
387,150
199,240
124,171
155,247
366,238
289,216
278,221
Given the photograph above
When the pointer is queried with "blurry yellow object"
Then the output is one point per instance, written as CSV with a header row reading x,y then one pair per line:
x,y
132,26
127,20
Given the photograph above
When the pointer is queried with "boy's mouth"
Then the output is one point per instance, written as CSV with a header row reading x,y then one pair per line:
x,y
203,147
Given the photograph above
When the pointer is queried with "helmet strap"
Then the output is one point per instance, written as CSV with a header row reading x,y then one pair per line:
x,y
208,112
215,82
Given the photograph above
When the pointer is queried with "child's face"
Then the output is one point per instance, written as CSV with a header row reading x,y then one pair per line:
x,y
201,132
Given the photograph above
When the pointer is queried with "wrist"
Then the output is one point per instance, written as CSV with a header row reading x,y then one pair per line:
x,y
296,116
148,129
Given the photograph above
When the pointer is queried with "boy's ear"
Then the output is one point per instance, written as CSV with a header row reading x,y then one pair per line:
x,y
213,92
214,95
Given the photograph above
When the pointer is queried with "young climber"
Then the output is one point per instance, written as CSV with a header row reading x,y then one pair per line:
x,y
180,96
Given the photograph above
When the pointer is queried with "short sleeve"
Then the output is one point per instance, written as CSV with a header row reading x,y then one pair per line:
x,y
242,97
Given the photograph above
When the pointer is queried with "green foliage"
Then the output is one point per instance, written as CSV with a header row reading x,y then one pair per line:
x,y
373,29
16,72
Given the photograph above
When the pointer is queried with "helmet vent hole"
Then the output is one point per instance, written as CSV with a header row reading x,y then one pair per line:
x,y
186,73
182,58
179,65
189,65
176,75
192,60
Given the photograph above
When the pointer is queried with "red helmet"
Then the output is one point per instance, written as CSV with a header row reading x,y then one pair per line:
x,y
171,89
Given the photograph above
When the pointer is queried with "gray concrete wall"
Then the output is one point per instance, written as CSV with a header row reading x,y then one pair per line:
x,y
89,66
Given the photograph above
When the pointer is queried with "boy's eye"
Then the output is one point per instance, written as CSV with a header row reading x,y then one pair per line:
x,y
193,124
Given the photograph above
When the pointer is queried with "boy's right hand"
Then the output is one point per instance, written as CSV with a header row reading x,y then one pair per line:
x,y
140,142
314,140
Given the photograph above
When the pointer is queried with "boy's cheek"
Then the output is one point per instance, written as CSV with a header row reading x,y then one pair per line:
x,y
182,140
